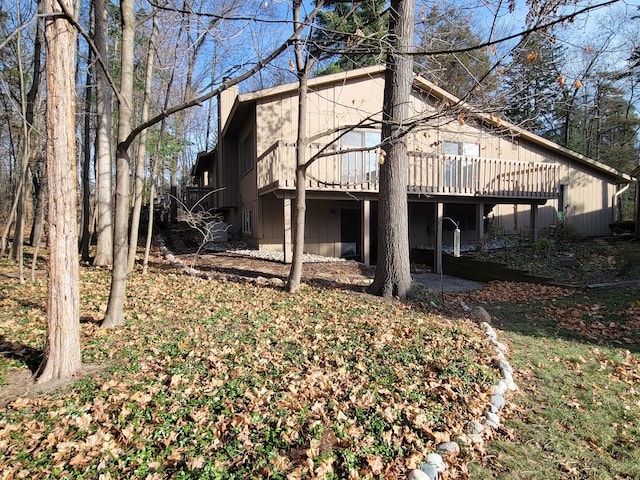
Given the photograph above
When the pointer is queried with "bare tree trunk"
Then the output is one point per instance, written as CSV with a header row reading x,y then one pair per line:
x,y
40,186
104,178
21,194
142,149
62,352
38,222
115,308
295,274
152,199
86,163
393,273
303,66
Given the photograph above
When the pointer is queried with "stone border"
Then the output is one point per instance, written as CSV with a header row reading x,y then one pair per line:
x,y
435,463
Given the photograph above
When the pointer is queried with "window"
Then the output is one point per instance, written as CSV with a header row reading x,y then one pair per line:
x,y
246,221
246,154
358,167
462,148
461,169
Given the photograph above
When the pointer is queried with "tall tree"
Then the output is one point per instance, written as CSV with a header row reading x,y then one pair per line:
x,y
350,34
612,125
115,307
142,148
393,275
103,155
302,66
62,351
532,83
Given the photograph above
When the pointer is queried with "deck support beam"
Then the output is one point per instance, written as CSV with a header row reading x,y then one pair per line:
x,y
534,222
480,221
437,263
366,229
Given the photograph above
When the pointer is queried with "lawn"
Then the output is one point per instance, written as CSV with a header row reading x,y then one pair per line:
x,y
211,379
577,361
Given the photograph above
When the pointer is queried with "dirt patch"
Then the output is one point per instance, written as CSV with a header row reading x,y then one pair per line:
x,y
20,383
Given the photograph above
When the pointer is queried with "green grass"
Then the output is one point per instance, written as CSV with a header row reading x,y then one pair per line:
x,y
577,415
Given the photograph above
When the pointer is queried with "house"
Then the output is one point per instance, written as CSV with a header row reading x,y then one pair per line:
x,y
471,168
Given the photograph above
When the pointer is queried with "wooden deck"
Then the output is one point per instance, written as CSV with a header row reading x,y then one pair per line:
x,y
427,174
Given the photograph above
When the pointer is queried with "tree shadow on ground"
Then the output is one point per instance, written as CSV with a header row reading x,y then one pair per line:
x,y
600,326
31,357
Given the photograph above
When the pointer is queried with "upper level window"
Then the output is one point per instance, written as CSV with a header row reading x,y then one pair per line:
x,y
247,154
362,166
462,148
461,173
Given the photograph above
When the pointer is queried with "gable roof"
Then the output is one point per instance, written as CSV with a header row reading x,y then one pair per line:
x,y
246,99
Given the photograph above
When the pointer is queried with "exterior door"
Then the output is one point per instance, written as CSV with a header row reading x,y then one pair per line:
x,y
350,234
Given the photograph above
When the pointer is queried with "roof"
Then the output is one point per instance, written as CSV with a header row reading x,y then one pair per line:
x,y
437,92
203,160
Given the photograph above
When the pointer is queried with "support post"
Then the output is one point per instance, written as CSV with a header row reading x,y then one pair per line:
x,y
534,222
438,247
287,246
480,221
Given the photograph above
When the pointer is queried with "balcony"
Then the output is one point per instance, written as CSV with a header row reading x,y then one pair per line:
x,y
358,171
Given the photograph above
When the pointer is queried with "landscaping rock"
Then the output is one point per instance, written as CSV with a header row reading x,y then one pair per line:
x,y
492,417
475,427
479,314
501,346
418,475
437,461
504,366
490,424
448,449
500,388
429,470
498,401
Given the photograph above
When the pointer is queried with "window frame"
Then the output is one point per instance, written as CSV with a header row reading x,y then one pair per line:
x,y
460,171
365,162
247,221
246,152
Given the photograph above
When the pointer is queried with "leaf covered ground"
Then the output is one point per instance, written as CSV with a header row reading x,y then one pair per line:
x,y
211,379
578,263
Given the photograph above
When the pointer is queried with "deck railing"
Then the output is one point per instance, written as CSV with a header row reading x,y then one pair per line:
x,y
200,198
427,173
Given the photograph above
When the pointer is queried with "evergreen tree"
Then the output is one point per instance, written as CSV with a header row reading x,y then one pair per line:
x,y
611,136
351,35
532,85
464,74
